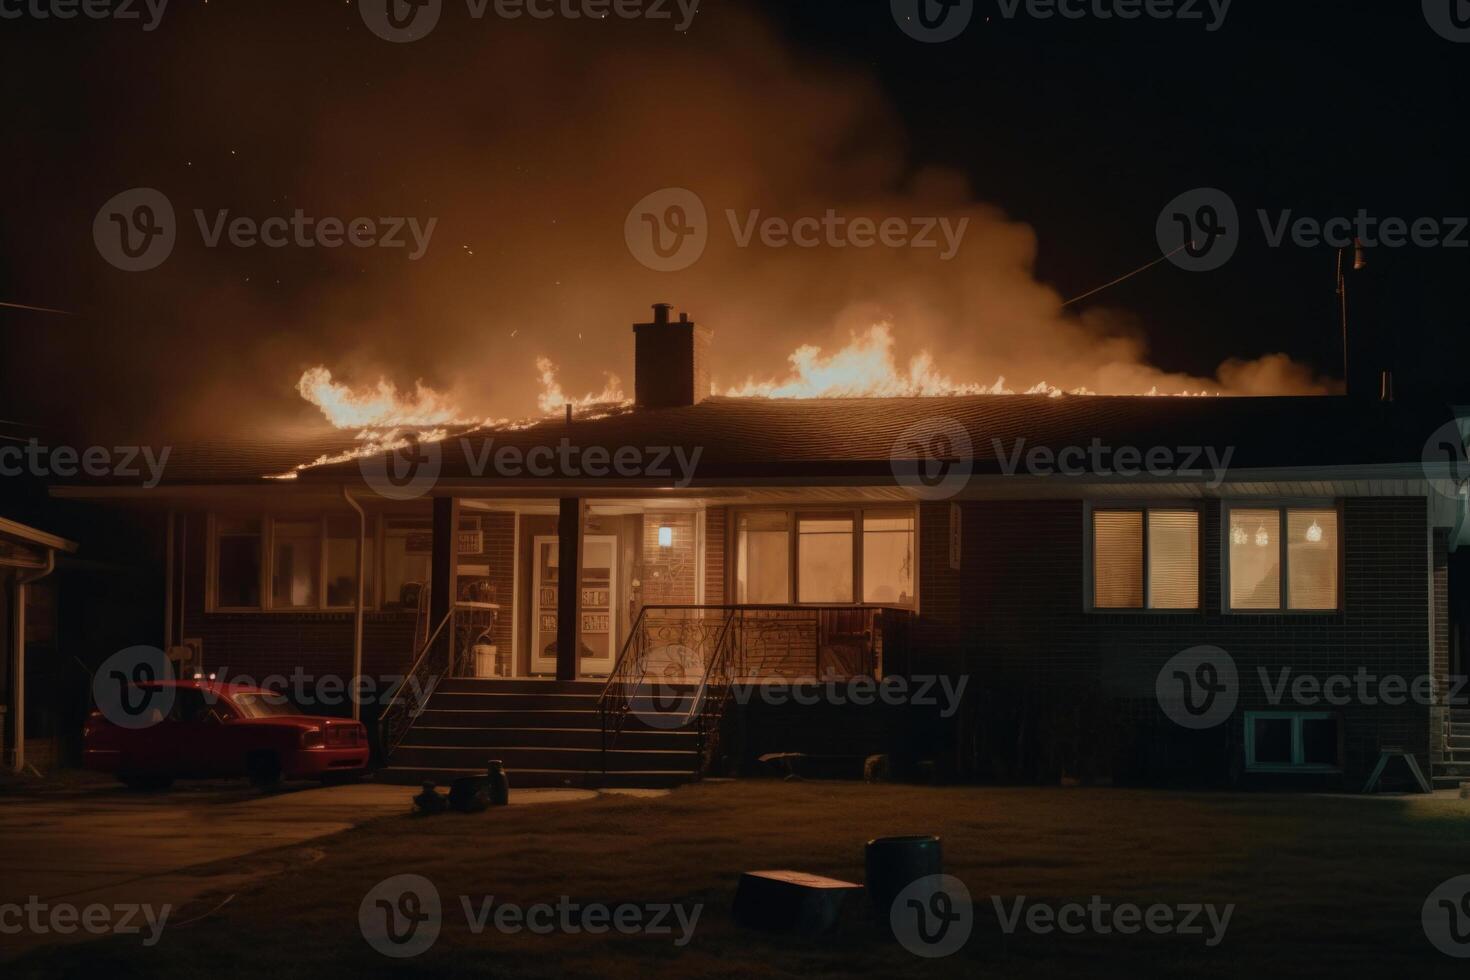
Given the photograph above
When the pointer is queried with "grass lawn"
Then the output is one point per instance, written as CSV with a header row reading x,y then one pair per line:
x,y
1321,885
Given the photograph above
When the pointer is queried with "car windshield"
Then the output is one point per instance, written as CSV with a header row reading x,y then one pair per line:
x,y
264,704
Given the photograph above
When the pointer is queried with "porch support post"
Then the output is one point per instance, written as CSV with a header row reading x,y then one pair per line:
x,y
17,675
443,567
568,591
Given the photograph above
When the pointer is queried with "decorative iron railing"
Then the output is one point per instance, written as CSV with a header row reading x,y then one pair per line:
x,y
430,667
680,662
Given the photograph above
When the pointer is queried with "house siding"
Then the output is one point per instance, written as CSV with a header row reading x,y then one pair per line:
x,y
1014,618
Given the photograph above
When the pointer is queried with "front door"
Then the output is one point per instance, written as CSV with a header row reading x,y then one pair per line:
x,y
599,585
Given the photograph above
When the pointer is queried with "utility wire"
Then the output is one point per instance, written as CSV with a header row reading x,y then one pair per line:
x,y
1130,275
36,309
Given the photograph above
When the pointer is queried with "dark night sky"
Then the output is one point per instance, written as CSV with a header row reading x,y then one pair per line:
x,y
1079,130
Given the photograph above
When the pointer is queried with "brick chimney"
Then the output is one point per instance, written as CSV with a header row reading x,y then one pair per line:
x,y
670,361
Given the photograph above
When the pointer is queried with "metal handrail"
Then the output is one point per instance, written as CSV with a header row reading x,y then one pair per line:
x,y
407,684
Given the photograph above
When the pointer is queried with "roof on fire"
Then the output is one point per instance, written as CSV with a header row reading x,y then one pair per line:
x,y
849,440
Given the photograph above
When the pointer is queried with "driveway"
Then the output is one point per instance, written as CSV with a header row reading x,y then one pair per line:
x,y
102,844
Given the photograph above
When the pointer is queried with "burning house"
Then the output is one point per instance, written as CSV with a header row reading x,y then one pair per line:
x,y
1059,554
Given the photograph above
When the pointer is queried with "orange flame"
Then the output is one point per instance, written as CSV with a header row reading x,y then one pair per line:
x,y
380,406
552,399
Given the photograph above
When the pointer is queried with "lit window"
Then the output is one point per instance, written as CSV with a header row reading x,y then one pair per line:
x,y
1145,559
763,558
237,563
1305,539
824,558
295,564
408,548
888,557
1283,741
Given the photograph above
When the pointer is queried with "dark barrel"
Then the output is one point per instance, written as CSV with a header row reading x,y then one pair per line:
x,y
894,863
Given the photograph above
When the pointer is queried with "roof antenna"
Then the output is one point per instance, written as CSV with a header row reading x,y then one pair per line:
x,y
1360,262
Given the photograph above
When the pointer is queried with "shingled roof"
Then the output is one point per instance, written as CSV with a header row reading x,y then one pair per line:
x,y
854,439
752,438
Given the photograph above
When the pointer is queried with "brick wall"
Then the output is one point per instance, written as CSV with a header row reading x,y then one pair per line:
x,y
1014,618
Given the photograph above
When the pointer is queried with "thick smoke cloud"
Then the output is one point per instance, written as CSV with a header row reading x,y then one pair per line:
x,y
529,142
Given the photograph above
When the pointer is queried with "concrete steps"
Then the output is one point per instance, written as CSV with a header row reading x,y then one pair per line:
x,y
1454,768
545,733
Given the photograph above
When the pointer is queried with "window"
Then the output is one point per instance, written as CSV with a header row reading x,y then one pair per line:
x,y
825,556
304,563
341,576
1285,741
408,547
295,564
1283,558
1145,558
237,563
888,557
763,557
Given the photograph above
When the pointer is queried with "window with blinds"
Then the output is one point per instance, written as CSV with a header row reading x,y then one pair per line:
x,y
1284,558
1146,558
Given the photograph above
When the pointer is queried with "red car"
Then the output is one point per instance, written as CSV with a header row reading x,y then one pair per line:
x,y
205,730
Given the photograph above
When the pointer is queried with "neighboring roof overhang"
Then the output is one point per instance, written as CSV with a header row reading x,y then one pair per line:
x,y
22,546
